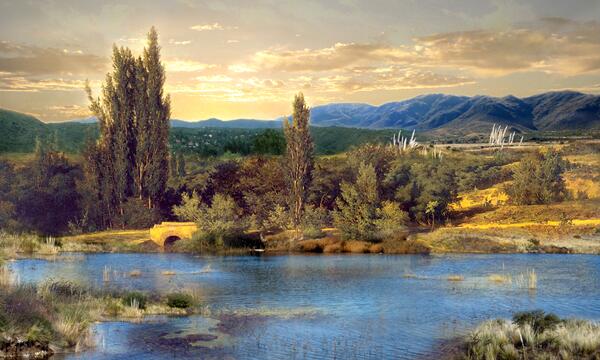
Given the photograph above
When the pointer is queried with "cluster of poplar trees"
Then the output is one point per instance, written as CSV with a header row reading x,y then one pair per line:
x,y
131,158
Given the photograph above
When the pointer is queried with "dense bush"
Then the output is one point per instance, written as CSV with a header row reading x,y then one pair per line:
x,y
538,180
313,221
537,319
180,300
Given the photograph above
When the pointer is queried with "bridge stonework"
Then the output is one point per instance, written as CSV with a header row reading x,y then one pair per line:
x,y
166,232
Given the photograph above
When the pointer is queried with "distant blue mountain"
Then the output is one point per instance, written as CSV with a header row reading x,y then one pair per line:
x,y
564,110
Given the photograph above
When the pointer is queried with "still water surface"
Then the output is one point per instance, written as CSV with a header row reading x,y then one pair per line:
x,y
322,307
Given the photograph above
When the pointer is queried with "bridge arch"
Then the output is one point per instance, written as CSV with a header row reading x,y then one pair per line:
x,y
167,233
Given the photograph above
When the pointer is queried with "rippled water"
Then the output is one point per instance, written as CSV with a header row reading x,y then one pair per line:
x,y
315,307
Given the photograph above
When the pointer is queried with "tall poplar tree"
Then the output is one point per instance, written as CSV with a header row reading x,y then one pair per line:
x,y
299,158
131,158
159,113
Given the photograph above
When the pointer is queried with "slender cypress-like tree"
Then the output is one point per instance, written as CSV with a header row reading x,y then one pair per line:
x,y
299,158
159,113
131,158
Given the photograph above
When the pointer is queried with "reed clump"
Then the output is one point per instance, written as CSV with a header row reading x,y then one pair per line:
x,y
533,335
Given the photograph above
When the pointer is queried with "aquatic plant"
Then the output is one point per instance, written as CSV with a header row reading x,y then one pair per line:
x,y
180,300
135,273
135,300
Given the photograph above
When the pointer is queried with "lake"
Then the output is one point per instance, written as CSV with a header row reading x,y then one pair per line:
x,y
322,307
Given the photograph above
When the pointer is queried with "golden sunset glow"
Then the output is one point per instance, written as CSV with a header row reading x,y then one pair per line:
x,y
246,60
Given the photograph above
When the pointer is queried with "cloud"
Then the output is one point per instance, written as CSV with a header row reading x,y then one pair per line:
x,y
212,27
336,57
186,66
179,42
553,45
32,60
15,82
69,111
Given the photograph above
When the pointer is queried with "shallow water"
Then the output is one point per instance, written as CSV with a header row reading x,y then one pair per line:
x,y
315,307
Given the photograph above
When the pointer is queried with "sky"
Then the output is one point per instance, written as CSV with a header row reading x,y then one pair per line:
x,y
246,59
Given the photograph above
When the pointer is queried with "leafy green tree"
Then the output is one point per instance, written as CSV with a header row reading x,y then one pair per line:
x,y
422,182
430,209
314,220
189,210
269,142
357,205
263,187
218,224
391,220
181,165
299,158
538,180
173,166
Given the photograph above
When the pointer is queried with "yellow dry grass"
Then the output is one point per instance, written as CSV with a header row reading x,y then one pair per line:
x,y
133,236
493,196
578,185
455,278
584,159
575,222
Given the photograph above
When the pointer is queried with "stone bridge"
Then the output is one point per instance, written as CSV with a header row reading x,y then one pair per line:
x,y
166,233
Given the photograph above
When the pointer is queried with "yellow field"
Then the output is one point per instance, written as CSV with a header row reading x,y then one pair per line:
x,y
492,196
574,222
130,236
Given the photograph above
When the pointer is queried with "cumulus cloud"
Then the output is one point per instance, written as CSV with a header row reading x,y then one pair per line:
x,y
554,45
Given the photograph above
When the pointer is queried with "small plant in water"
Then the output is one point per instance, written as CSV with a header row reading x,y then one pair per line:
x,y
179,300
135,300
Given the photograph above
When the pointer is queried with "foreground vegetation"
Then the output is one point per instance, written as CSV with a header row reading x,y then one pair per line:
x,y
533,335
37,320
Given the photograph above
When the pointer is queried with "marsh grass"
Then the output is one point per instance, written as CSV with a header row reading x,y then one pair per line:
x,y
455,278
533,336
500,278
135,273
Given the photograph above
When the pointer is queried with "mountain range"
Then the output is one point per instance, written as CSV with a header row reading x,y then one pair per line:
x,y
447,114
565,110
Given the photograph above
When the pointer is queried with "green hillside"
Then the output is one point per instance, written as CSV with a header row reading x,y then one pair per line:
x,y
19,131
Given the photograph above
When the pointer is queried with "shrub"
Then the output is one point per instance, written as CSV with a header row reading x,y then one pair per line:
x,y
538,180
391,220
136,214
537,319
180,300
357,205
135,299
278,219
314,219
